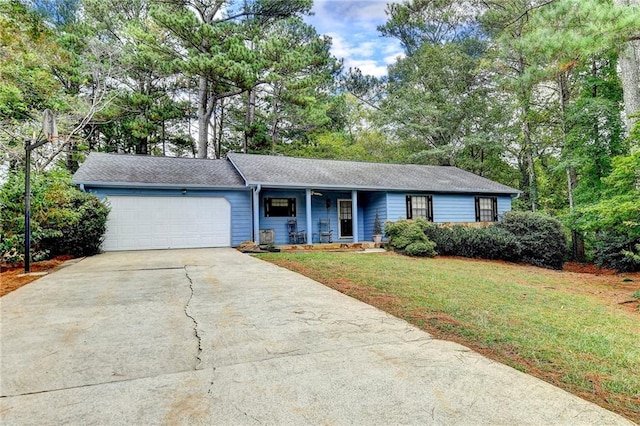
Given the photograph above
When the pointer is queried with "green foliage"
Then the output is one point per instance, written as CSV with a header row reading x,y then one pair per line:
x,y
29,52
484,243
377,226
64,220
540,236
612,224
616,251
408,236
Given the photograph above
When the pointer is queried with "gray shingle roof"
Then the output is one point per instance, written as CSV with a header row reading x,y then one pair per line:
x,y
124,170
312,173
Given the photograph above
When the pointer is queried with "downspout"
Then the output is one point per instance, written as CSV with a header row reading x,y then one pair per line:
x,y
82,187
256,213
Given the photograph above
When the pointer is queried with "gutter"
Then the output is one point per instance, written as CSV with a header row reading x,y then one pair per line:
x,y
101,184
367,188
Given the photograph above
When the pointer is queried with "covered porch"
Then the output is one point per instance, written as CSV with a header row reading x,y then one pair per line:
x,y
317,216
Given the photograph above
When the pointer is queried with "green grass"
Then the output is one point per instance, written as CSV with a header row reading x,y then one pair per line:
x,y
524,316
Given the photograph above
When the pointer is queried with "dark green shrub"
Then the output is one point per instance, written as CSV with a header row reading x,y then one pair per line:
x,y
495,243
64,220
485,243
541,237
615,251
446,239
407,236
82,236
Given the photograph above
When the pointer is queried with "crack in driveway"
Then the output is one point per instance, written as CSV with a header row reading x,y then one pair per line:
x,y
195,323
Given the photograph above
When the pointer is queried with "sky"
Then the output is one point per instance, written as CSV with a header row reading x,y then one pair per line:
x,y
352,26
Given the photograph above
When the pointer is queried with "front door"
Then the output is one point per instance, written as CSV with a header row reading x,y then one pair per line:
x,y
345,217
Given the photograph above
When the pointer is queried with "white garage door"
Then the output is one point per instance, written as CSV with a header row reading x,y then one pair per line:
x,y
141,223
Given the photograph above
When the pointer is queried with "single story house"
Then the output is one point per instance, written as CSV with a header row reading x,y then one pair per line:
x,y
166,202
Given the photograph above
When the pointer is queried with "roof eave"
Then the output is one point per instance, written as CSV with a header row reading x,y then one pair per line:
x,y
278,185
102,184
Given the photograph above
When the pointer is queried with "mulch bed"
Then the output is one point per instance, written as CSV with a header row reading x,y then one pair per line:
x,y
11,280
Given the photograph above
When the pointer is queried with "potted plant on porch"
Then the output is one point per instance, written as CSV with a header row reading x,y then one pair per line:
x,y
377,229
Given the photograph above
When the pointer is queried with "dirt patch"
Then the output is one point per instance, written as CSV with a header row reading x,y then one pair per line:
x,y
587,268
11,280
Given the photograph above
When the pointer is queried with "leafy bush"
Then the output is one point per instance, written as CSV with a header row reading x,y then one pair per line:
x,y
541,237
611,226
616,251
64,220
408,237
485,243
447,240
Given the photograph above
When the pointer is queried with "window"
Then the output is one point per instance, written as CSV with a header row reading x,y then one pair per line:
x,y
279,207
420,206
486,209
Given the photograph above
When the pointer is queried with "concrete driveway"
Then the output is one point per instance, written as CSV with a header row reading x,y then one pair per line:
x,y
213,336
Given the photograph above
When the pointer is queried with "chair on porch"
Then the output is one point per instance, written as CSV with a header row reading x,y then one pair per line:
x,y
325,231
295,236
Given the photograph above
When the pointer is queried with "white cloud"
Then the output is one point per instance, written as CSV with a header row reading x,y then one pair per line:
x,y
352,25
367,66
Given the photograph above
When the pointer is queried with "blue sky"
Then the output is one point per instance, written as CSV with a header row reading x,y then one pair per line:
x,y
352,26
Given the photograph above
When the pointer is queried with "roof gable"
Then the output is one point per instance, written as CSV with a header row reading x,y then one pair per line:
x,y
142,170
315,173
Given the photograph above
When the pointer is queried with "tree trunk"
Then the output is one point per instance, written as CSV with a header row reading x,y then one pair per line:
x,y
204,115
629,61
531,165
218,147
249,120
276,118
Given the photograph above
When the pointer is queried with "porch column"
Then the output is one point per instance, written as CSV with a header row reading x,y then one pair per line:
x,y
354,214
309,219
256,214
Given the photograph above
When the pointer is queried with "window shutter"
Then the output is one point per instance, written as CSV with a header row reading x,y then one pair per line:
x,y
495,209
409,209
477,209
267,207
430,208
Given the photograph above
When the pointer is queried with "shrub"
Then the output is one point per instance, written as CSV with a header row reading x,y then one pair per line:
x,y
485,243
495,243
541,237
408,237
445,238
617,251
64,220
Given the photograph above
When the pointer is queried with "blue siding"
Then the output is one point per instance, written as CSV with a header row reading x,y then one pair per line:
x,y
446,207
240,204
454,208
396,206
279,224
374,201
504,205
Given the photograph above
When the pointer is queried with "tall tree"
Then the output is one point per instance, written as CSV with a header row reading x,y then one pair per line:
x,y
630,69
214,46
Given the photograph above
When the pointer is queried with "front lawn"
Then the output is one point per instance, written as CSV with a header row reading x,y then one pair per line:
x,y
566,328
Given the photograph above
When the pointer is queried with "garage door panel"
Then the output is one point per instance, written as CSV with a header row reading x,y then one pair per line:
x,y
139,223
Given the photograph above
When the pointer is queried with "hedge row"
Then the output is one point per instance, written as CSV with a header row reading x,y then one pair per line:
x,y
521,236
